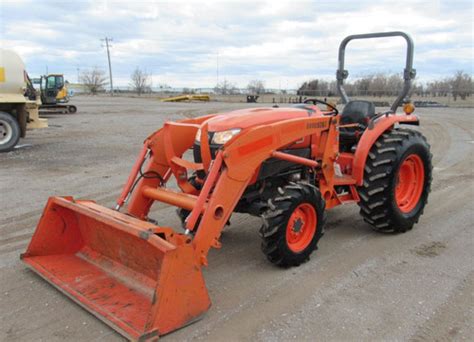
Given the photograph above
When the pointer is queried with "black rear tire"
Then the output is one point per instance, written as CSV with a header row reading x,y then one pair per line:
x,y
10,132
378,201
72,109
277,220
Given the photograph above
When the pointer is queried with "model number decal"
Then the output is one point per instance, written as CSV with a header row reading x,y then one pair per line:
x,y
320,124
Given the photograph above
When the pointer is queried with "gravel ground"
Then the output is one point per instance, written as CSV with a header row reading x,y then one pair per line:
x,y
359,285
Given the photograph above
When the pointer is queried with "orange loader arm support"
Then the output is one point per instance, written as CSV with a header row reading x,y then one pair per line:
x,y
228,174
240,158
166,147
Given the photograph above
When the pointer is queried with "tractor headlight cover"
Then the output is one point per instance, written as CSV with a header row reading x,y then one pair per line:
x,y
220,138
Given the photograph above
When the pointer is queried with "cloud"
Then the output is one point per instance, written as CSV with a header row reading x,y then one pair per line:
x,y
282,42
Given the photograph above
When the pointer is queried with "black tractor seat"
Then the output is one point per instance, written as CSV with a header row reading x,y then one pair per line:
x,y
355,112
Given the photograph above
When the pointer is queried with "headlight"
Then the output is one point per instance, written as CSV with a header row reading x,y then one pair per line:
x,y
221,138
198,135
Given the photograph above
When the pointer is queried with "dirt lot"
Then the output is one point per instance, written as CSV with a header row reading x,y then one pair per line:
x,y
359,285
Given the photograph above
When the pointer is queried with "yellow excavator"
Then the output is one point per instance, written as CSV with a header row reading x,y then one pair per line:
x,y
54,94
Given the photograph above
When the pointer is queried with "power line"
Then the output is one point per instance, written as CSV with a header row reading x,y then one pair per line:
x,y
107,45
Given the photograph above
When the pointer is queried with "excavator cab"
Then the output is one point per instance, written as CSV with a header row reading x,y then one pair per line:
x,y
54,94
52,89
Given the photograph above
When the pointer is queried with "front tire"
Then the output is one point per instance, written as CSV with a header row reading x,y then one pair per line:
x,y
10,132
292,225
397,181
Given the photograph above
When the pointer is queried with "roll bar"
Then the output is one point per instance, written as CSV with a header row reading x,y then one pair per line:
x,y
408,74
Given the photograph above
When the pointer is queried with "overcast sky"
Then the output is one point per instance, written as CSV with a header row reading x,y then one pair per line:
x,y
281,42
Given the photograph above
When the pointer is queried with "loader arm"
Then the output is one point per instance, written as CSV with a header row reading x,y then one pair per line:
x,y
228,175
166,146
231,172
241,157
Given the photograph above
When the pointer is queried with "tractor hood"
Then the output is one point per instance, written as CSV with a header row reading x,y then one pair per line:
x,y
246,118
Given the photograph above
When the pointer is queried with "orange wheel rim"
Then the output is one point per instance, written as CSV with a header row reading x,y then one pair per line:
x,y
301,227
410,181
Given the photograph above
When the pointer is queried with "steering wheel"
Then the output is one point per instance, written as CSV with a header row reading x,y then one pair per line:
x,y
315,101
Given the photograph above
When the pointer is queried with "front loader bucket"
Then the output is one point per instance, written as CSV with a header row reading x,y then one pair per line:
x,y
142,280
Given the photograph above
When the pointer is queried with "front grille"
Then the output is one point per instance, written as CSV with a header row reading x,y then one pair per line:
x,y
198,159
197,151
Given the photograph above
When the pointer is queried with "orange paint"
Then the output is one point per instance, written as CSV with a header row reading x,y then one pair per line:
x,y
256,145
410,182
301,227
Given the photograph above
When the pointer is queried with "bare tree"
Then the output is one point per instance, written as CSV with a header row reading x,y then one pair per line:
x,y
394,85
225,88
418,89
140,81
332,88
461,85
256,87
378,86
94,80
439,87
361,86
309,88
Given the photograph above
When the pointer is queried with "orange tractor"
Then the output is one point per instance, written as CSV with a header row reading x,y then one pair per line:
x,y
286,165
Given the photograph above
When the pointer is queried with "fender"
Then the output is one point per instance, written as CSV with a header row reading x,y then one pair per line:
x,y
371,135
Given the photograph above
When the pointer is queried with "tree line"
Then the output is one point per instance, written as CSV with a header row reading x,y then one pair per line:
x,y
460,85
378,85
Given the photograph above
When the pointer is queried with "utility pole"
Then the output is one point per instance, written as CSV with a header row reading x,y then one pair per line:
x,y
107,41
78,77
